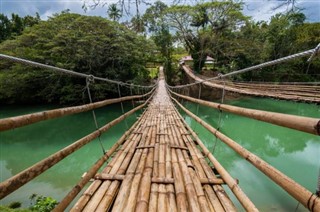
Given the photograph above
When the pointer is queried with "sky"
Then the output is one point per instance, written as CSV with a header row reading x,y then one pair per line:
x,y
258,9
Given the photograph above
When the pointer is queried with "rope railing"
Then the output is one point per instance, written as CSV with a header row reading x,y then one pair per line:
x,y
23,120
65,71
304,124
15,182
311,52
305,197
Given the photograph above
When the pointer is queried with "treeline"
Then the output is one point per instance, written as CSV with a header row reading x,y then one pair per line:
x,y
14,25
90,45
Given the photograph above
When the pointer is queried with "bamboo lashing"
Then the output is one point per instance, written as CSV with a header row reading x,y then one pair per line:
x,y
304,124
15,182
23,120
300,193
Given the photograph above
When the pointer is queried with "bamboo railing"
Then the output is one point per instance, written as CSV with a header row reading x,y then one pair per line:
x,y
305,197
15,182
23,120
304,124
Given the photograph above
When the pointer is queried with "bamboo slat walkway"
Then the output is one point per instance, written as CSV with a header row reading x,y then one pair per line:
x,y
158,168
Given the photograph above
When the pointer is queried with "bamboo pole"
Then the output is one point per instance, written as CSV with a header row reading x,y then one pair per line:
x,y
304,124
188,183
172,205
23,120
106,193
163,203
301,194
137,181
215,203
145,187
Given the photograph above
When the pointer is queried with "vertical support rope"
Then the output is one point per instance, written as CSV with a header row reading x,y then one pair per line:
x,y
318,188
119,92
199,96
131,93
220,115
89,80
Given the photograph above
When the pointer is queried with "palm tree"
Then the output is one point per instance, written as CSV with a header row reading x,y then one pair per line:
x,y
113,12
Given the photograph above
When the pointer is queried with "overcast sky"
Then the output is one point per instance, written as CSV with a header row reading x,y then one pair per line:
x,y
258,9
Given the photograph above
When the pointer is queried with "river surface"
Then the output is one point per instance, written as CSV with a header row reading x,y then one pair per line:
x,y
294,153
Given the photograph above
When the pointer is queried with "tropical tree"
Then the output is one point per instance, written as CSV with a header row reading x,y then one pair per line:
x,y
113,12
203,26
160,31
90,45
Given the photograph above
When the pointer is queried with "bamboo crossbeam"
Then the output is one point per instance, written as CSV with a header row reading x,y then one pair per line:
x,y
23,120
304,124
305,197
15,182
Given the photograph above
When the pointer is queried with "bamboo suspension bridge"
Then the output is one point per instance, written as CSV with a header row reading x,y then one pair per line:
x,y
159,163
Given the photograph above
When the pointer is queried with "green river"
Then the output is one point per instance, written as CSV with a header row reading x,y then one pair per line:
x,y
294,153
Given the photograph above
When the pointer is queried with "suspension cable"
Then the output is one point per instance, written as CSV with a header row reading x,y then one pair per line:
x,y
262,65
89,80
220,115
119,92
65,71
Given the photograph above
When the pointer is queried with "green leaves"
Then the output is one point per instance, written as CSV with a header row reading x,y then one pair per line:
x,y
91,45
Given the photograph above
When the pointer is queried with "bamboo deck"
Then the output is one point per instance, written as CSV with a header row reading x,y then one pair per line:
x,y
158,168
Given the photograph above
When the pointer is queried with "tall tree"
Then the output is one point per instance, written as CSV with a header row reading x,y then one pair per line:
x,y
159,28
202,26
113,12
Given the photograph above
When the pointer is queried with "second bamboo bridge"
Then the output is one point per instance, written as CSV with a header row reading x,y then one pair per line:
x,y
159,163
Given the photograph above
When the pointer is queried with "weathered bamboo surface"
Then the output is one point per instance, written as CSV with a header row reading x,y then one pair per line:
x,y
287,92
161,167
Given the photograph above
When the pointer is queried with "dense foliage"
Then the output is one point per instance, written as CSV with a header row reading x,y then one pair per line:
x,y
90,45
220,30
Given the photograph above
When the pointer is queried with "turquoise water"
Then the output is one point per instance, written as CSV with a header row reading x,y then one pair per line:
x,y
294,153
22,147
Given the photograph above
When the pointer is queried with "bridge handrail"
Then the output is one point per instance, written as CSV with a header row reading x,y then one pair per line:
x,y
23,120
301,123
311,52
15,182
304,196
66,71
